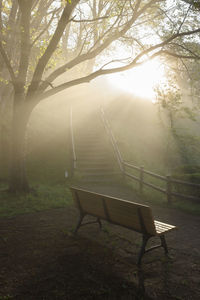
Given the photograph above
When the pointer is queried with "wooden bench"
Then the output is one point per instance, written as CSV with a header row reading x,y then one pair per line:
x,y
128,214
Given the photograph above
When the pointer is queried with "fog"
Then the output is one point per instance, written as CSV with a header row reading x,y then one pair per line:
x,y
141,135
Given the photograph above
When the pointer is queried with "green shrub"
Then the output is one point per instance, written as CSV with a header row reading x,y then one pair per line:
x,y
188,173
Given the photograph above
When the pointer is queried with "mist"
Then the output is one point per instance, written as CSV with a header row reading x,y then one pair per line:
x,y
142,137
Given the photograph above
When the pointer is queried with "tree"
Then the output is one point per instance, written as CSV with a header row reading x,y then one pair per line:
x,y
194,3
172,108
42,40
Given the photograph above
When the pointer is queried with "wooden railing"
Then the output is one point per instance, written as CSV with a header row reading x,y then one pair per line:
x,y
72,141
169,183
168,180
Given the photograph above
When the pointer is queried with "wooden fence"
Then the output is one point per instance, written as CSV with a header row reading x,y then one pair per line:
x,y
169,181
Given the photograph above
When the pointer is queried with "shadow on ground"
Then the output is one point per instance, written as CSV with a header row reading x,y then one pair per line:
x,y
86,271
41,260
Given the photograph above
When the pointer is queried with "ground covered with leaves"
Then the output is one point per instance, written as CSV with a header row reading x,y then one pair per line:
x,y
41,259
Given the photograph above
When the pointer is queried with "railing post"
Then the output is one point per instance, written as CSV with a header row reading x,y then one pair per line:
x,y
169,189
72,148
141,179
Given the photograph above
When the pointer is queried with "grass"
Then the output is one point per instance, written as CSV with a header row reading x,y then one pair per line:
x,y
187,206
184,205
48,196
44,197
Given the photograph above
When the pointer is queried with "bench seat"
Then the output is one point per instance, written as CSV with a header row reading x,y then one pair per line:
x,y
163,227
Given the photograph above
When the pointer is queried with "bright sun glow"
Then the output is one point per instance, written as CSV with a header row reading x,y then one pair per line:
x,y
140,81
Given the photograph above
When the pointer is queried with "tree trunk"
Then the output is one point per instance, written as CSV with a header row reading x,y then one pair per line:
x,y
5,107
18,179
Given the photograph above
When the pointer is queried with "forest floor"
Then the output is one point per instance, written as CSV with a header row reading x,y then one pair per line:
x,y
40,259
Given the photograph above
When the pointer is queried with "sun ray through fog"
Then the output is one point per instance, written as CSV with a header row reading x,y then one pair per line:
x,y
141,80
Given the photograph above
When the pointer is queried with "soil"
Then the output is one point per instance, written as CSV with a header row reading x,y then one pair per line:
x,y
40,259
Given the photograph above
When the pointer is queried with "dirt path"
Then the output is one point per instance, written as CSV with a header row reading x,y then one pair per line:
x,y
40,259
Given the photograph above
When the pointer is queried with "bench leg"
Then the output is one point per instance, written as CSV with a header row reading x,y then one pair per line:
x,y
163,243
142,250
99,222
79,223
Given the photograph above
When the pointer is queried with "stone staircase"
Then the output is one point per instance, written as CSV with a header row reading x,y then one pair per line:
x,y
96,161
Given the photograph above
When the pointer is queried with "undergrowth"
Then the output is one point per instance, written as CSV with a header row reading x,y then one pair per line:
x,y
150,196
42,197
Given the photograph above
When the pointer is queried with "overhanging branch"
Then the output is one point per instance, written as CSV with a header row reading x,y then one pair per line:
x,y
64,20
94,75
89,20
7,63
134,63
91,54
166,52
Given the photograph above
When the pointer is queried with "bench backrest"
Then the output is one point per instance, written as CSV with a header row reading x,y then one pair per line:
x,y
121,212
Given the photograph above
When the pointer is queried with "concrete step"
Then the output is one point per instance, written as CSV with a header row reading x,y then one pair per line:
x,y
96,161
116,177
92,154
91,140
93,163
95,157
97,172
96,166
101,173
93,168
90,131
93,146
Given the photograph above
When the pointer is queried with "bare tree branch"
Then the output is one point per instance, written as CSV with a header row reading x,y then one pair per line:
x,y
1,16
185,16
178,55
79,59
7,63
136,61
43,6
95,52
25,7
185,49
92,20
45,28
114,61
64,20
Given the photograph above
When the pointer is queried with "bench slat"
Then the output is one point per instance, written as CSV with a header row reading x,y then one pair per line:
x,y
122,212
163,227
90,204
126,214
129,214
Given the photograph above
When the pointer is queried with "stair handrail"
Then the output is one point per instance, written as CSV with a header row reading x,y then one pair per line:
x,y
112,139
72,139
